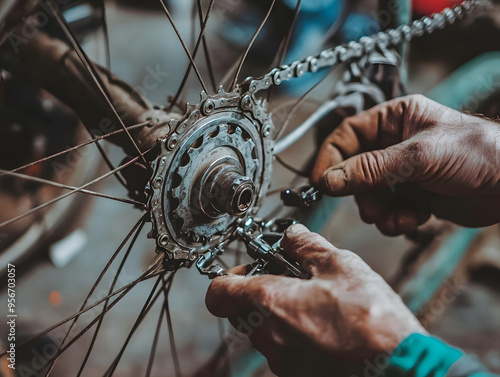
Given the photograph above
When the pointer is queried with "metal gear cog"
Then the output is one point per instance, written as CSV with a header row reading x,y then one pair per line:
x,y
212,172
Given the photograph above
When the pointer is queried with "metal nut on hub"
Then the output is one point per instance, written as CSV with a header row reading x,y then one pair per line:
x,y
233,194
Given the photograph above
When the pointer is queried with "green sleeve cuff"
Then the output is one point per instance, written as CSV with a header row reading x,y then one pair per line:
x,y
422,356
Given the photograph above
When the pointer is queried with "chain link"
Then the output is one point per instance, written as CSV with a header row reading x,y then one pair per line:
x,y
356,50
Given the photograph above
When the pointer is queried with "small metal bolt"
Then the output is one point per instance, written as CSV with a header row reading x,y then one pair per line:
x,y
450,15
172,142
459,11
267,130
246,102
277,78
158,182
368,44
163,240
193,255
313,65
406,32
208,107
299,70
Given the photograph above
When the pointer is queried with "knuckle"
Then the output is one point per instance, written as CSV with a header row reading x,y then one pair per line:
x,y
415,98
368,216
414,102
371,166
415,150
261,294
415,154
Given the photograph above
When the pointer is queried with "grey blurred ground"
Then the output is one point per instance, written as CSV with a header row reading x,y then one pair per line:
x,y
142,39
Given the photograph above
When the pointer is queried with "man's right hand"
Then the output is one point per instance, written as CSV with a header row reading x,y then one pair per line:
x,y
411,157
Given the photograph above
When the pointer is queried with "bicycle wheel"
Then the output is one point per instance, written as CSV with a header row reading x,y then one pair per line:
x,y
197,172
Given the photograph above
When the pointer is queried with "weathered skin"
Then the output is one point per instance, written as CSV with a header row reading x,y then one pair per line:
x,y
447,161
345,314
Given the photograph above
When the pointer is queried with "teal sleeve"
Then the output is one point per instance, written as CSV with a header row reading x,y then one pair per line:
x,y
425,356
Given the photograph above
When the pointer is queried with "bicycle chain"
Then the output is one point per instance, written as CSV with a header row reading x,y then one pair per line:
x,y
357,50
270,256
242,103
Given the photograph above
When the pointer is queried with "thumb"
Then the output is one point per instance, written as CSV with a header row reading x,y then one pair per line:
x,y
368,171
313,252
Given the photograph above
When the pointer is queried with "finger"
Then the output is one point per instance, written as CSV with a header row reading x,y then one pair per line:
x,y
373,206
376,169
376,128
470,212
235,295
401,221
392,214
312,251
240,270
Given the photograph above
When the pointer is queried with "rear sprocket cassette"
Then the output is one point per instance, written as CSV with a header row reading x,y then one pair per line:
x,y
211,173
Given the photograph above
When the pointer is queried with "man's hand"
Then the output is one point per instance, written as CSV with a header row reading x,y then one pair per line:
x,y
345,313
412,157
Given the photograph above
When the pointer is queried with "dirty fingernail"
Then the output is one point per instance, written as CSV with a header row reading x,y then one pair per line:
x,y
334,180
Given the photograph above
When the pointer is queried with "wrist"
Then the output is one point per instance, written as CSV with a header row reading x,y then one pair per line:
x,y
421,355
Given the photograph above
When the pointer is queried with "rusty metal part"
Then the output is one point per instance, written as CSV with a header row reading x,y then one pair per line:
x,y
354,51
212,166
212,170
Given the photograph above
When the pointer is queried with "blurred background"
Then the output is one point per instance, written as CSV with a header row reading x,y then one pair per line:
x,y
58,261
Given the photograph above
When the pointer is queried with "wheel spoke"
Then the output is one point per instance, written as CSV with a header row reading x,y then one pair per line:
x,y
292,111
92,141
195,52
152,298
78,189
148,274
331,33
230,74
88,327
136,229
186,50
115,279
89,66
83,191
289,167
280,56
250,44
288,37
152,354
108,162
208,60
168,317
102,8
